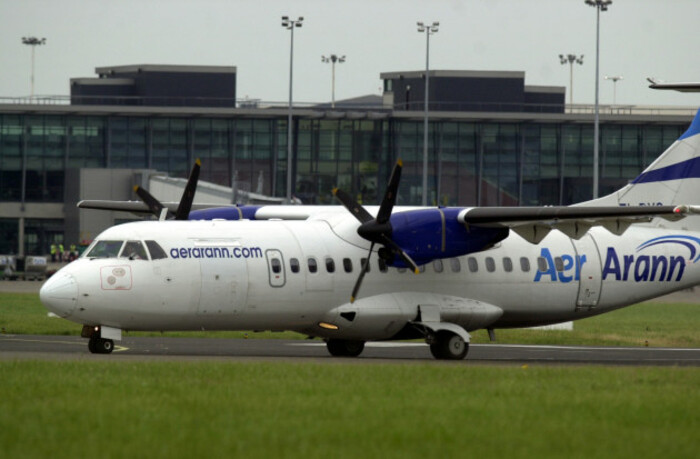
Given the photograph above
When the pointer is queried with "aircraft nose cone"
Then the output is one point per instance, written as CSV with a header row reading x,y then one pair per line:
x,y
59,294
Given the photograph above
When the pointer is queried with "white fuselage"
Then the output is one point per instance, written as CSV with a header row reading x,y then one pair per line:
x,y
222,275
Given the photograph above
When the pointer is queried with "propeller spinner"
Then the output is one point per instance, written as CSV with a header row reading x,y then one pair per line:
x,y
377,230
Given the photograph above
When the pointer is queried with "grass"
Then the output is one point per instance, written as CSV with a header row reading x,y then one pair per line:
x,y
647,324
214,409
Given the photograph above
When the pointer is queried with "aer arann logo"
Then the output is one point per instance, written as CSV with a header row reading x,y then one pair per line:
x,y
644,267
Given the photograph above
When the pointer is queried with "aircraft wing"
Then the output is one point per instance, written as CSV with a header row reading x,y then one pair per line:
x,y
137,206
534,223
692,86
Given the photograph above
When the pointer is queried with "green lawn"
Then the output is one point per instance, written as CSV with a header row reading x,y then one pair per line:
x,y
273,410
652,324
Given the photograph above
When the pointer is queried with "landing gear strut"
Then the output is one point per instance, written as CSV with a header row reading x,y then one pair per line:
x,y
445,345
345,347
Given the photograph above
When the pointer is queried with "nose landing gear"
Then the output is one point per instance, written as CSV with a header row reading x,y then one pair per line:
x,y
100,345
101,341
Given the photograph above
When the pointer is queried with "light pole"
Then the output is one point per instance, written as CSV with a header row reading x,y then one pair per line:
x,y
33,42
333,59
600,5
290,24
428,30
614,79
571,59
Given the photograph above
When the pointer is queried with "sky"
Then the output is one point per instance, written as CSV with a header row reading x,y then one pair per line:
x,y
639,38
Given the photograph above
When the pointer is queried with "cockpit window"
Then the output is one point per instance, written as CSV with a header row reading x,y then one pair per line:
x,y
134,250
156,250
105,249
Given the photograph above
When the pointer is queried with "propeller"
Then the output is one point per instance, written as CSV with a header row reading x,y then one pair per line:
x,y
377,230
183,209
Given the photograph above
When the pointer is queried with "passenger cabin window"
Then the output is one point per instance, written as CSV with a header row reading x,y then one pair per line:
x,y
382,265
294,265
542,264
437,266
330,265
507,264
455,265
473,265
363,261
347,265
157,252
276,265
313,266
134,250
490,264
105,249
525,264
559,264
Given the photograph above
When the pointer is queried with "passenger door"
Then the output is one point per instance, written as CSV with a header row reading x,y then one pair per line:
x,y
275,267
589,272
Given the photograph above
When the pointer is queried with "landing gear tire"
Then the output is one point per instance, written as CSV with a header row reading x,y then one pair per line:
x,y
100,346
345,348
448,346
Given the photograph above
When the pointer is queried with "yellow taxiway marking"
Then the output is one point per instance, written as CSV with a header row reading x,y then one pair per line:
x,y
77,343
42,341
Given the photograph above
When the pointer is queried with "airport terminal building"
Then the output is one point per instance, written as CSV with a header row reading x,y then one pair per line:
x,y
492,141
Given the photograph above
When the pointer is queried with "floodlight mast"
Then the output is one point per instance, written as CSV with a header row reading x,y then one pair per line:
x,y
599,5
614,79
571,59
33,42
290,24
428,30
332,59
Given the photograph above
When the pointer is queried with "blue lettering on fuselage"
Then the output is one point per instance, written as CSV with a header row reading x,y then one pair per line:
x,y
216,252
626,267
643,268
566,275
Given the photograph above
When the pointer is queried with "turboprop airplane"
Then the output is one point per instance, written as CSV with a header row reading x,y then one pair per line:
x,y
348,274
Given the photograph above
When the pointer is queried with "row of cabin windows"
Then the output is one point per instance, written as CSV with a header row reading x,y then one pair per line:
x,y
438,265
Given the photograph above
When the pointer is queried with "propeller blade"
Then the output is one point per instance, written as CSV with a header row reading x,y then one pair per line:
x,y
400,252
355,209
365,268
390,194
183,210
153,204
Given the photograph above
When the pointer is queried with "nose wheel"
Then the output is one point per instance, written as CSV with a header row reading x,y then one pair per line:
x,y
100,345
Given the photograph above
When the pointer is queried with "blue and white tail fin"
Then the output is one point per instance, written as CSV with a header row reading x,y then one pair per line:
x,y
672,179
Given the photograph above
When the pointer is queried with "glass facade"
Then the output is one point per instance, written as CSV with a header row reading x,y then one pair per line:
x,y
470,163
484,162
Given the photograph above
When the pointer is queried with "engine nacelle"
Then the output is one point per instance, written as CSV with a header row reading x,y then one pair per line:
x,y
225,213
429,234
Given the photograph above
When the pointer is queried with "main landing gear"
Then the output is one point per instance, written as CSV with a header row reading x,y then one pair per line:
x,y
345,347
445,345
